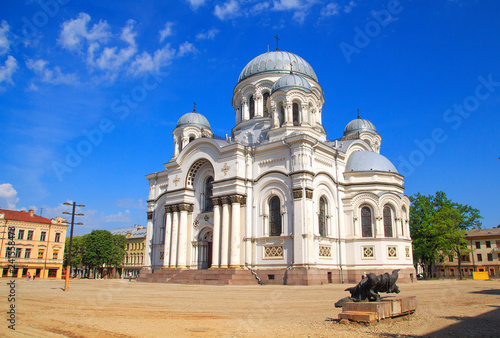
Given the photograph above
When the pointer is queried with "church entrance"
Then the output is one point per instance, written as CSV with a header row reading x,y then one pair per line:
x,y
205,249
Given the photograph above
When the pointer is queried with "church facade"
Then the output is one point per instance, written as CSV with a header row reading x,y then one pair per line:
x,y
277,197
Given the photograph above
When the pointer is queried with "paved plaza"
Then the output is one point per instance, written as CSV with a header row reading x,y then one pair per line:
x,y
119,308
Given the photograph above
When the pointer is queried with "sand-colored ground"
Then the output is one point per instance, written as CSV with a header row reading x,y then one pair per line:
x,y
117,308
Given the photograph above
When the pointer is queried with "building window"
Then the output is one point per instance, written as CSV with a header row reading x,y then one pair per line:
x,y
18,252
52,273
322,216
27,253
265,110
465,258
407,252
387,222
366,222
58,237
368,252
275,216
209,188
30,235
42,236
452,272
40,253
490,257
478,245
251,105
8,252
273,251
488,244
295,109
20,234
54,254
450,258
479,257
392,251
325,251
492,272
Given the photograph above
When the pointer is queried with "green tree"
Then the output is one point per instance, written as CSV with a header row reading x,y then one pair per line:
x,y
438,228
104,249
76,251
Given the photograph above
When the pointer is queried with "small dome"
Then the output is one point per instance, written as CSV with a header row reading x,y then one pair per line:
x,y
277,62
291,81
193,119
369,161
359,125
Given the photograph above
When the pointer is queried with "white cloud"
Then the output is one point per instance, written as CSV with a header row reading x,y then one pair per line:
x,y
348,8
230,9
47,75
259,7
208,35
166,31
146,62
196,3
76,32
4,41
8,196
119,217
8,69
285,5
186,48
331,9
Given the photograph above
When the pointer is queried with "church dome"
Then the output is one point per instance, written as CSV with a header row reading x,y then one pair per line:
x,y
359,125
277,62
291,81
369,161
193,119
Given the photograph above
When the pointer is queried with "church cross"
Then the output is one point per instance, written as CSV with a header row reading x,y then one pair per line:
x,y
277,41
358,113
194,109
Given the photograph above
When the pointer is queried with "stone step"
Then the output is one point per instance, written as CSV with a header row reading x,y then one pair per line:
x,y
358,316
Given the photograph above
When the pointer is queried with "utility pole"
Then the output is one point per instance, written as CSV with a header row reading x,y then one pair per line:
x,y
68,263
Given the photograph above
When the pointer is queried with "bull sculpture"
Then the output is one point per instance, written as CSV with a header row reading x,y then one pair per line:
x,y
370,286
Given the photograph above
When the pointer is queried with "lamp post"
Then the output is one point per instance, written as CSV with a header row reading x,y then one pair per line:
x,y
68,263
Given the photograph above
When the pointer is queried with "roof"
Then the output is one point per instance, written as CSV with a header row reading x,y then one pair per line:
x,y
483,232
359,125
193,119
363,160
291,81
128,230
277,62
24,216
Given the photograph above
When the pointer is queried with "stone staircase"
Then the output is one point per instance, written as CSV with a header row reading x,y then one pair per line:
x,y
207,277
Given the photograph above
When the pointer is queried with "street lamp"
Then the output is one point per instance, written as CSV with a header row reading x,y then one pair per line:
x,y
68,263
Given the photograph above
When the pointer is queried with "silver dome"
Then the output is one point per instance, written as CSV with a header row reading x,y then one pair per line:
x,y
359,125
369,161
277,62
291,81
193,119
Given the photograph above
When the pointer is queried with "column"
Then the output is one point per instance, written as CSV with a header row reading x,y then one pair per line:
x,y
176,147
216,234
235,231
275,118
149,235
168,232
288,114
244,110
224,242
182,246
238,115
259,108
175,231
305,116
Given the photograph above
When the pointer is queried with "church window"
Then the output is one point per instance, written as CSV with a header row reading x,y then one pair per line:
x,y
387,222
251,107
265,98
208,194
279,111
275,216
191,138
295,108
322,216
366,222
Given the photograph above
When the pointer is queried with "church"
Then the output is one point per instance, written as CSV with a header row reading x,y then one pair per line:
x,y
276,201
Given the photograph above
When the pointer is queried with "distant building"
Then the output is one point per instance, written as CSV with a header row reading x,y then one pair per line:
x,y
134,257
31,244
484,257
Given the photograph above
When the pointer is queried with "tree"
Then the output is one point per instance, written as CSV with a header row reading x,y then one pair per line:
x,y
438,228
104,249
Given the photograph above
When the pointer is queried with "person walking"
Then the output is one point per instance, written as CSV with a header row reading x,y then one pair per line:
x,y
29,276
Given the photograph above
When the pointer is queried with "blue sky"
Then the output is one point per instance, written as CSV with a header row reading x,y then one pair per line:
x,y
90,91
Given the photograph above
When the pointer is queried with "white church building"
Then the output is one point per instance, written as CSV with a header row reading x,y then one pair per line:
x,y
277,199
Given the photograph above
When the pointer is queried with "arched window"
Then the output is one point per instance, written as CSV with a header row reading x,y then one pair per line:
x,y
191,138
322,216
366,222
208,194
264,110
295,108
251,105
387,222
275,216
